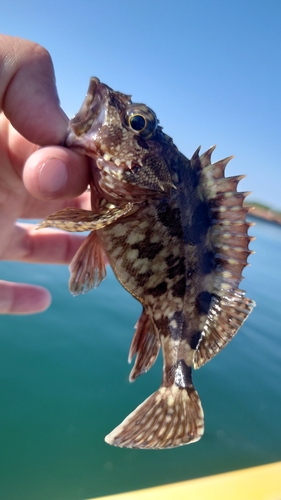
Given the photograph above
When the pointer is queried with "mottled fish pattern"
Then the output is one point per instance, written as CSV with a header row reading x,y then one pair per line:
x,y
175,233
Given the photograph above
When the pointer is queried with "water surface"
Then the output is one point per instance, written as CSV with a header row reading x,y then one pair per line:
x,y
64,386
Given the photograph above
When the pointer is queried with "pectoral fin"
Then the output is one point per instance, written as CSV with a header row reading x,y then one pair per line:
x,y
88,266
79,220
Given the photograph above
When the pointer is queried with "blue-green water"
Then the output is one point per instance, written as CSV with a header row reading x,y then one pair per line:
x,y
64,385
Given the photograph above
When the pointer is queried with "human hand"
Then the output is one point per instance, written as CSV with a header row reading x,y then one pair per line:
x,y
33,182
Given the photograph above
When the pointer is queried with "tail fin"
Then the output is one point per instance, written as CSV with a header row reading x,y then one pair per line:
x,y
170,417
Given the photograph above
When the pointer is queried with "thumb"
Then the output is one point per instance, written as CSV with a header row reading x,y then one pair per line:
x,y
28,94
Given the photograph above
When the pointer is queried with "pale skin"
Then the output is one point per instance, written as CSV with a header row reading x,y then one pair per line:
x,y
37,175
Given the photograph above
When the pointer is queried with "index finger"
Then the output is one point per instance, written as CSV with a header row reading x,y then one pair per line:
x,y
28,94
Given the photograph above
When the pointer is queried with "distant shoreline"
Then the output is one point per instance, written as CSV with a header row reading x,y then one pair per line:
x,y
264,213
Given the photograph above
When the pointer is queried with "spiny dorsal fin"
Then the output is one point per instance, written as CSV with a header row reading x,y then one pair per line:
x,y
195,155
230,240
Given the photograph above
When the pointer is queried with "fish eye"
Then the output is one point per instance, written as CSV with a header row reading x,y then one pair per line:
x,y
137,122
141,120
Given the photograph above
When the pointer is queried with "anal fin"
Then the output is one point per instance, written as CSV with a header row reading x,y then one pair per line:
x,y
145,344
87,266
170,417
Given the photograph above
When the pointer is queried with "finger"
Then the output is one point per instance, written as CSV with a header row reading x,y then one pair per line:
x,y
56,173
20,298
39,209
28,94
47,246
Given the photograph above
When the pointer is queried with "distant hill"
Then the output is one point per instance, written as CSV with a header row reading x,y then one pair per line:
x,y
261,211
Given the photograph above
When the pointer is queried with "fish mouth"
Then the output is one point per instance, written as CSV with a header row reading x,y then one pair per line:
x,y
91,110
89,118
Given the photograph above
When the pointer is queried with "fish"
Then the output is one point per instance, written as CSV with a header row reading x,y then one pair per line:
x,y
175,233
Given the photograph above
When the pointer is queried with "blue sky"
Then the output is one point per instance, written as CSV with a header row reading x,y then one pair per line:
x,y
209,69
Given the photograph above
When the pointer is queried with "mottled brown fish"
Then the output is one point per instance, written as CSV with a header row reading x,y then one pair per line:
x,y
175,233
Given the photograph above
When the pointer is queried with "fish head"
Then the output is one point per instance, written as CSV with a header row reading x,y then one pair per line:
x,y
125,142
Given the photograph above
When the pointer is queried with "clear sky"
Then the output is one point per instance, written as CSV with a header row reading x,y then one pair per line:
x,y
210,69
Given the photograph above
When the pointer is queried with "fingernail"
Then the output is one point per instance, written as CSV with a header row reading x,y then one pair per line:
x,y
53,176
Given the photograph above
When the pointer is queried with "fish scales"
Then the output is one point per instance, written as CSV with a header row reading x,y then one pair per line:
x,y
175,233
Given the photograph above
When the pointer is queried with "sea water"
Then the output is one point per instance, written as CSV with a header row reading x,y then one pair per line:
x,y
64,386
